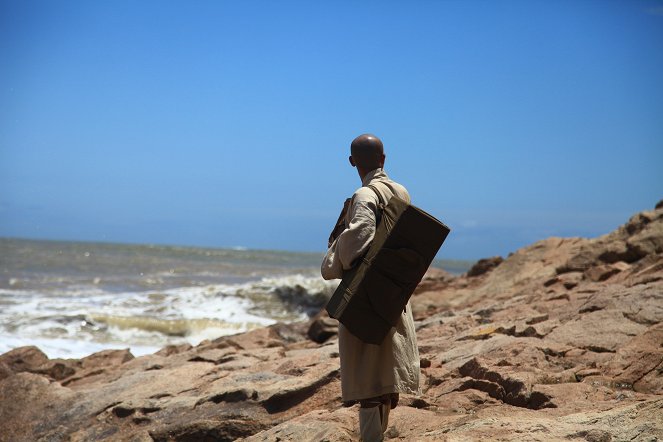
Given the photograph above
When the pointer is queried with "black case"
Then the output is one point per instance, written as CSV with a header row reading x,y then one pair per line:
x,y
371,296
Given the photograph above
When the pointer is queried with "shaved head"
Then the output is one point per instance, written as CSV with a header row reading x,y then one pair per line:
x,y
367,152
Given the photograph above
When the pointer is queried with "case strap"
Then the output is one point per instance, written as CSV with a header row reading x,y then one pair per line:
x,y
382,204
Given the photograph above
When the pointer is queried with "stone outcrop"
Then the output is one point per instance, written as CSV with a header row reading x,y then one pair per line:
x,y
484,266
562,340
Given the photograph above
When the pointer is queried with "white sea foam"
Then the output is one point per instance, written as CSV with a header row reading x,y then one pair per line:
x,y
69,348
81,319
74,298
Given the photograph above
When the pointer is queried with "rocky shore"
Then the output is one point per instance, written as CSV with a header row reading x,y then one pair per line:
x,y
562,340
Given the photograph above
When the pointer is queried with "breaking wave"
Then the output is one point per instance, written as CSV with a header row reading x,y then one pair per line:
x,y
152,319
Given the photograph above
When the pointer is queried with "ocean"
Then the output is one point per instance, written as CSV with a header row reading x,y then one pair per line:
x,y
72,299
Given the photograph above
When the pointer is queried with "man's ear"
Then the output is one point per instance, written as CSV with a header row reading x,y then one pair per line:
x,y
352,162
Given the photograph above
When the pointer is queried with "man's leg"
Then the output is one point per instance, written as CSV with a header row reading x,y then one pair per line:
x,y
385,407
370,421
374,416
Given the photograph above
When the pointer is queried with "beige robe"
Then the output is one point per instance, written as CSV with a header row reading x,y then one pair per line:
x,y
369,370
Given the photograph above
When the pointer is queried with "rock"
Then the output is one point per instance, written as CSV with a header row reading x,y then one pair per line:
x,y
602,331
57,370
322,328
434,279
605,271
505,388
318,425
174,349
31,359
537,319
639,363
106,358
649,241
24,359
30,395
641,236
585,372
219,429
5,371
571,279
593,435
484,266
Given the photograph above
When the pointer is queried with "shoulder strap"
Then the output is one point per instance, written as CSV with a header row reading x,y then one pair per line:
x,y
382,204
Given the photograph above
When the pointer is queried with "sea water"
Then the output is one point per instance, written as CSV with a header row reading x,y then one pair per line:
x,y
72,298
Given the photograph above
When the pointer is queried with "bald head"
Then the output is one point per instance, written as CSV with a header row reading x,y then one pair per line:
x,y
367,153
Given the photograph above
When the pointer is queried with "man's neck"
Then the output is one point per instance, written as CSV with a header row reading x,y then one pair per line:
x,y
369,175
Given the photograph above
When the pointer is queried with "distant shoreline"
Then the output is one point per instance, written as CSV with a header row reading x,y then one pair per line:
x,y
454,266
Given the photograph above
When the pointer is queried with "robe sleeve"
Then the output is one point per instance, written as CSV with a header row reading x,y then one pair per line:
x,y
353,242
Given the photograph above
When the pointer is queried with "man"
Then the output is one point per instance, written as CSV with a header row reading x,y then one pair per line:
x,y
373,375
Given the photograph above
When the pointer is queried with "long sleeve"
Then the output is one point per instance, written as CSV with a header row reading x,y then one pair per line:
x,y
353,242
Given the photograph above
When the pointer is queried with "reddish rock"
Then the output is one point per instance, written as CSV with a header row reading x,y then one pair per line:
x,y
106,359
24,359
537,319
5,371
605,271
639,363
602,331
484,265
434,279
322,328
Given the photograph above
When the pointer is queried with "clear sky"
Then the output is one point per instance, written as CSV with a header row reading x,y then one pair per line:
x,y
228,123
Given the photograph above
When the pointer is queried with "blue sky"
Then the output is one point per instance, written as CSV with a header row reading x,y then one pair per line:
x,y
228,123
